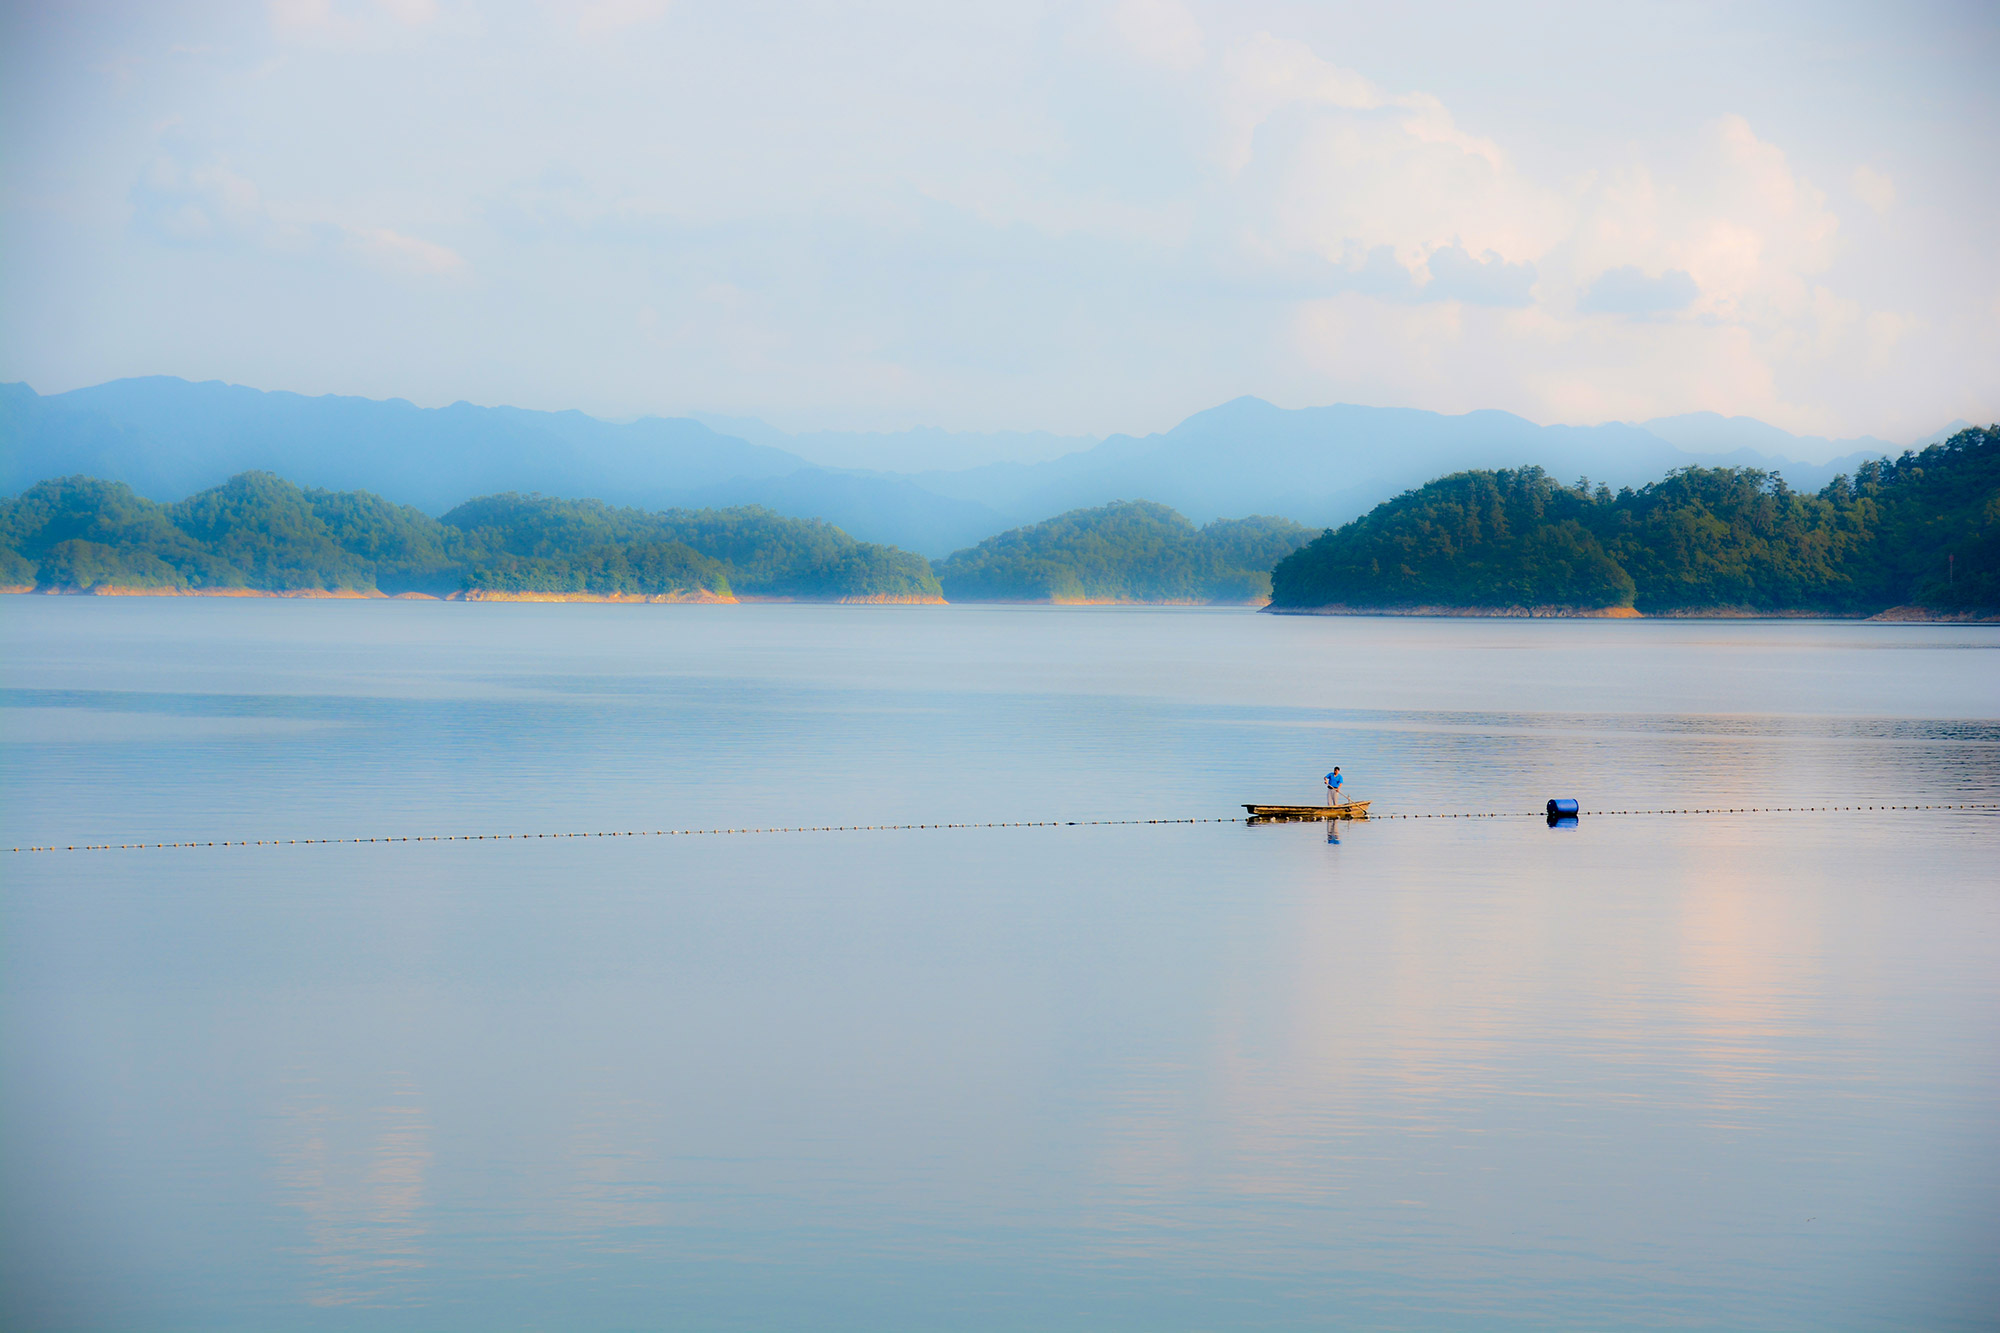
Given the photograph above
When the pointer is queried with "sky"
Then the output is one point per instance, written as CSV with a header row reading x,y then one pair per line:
x,y
1078,218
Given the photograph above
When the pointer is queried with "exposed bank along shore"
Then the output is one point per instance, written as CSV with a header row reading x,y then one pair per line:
x,y
698,596
1905,614
1101,601
704,597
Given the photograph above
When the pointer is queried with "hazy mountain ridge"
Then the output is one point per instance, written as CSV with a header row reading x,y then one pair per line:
x,y
1319,466
1322,466
1326,465
167,438
917,449
869,504
1715,435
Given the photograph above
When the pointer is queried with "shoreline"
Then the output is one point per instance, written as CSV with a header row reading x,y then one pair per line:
x,y
373,594
1905,615
1466,612
316,594
1919,615
1100,601
857,599
697,597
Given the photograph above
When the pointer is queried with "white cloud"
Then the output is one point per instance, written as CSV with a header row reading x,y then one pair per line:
x,y
1874,189
1630,290
1267,74
1754,235
1160,32
1736,221
598,17
294,16
1886,332
412,13
1487,280
1717,253
388,248
339,23
1325,162
212,205
1080,216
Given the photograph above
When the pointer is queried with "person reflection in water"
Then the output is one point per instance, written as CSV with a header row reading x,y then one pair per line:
x,y
1333,795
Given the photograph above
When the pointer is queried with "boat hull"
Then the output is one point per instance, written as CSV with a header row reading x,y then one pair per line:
x,y
1349,810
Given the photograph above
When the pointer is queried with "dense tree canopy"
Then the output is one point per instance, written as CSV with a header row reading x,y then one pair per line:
x,y
1482,539
759,552
1923,529
258,531
1131,551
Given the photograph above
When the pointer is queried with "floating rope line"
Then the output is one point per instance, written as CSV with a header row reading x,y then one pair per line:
x,y
1602,814
1023,823
1703,810
631,833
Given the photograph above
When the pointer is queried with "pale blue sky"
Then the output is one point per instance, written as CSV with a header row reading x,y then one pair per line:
x,y
1080,218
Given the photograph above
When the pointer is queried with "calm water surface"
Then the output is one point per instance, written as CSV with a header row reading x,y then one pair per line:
x,y
1720,1073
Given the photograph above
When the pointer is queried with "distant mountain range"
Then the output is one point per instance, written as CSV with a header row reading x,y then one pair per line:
x,y
1321,466
918,450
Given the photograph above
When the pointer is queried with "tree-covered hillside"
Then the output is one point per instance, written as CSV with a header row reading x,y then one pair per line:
x,y
1131,551
763,554
260,532
1923,529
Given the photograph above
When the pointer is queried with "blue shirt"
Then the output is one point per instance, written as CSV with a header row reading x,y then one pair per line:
x,y
1333,779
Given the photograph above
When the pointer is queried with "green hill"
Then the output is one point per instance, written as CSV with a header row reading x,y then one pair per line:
x,y
1921,530
260,532
1131,551
760,554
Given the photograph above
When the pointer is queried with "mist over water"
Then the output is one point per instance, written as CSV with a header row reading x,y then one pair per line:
x,y
1719,1072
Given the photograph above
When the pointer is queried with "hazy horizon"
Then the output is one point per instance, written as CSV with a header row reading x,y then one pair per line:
x,y
1023,664
902,449
1076,219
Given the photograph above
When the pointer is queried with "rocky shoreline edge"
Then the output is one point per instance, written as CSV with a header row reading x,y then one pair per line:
x,y
1098,601
1894,615
699,597
702,597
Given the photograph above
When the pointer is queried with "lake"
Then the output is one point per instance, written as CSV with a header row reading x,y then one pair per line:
x,y
1671,1071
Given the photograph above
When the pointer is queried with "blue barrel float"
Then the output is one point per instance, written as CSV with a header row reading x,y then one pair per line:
x,y
1563,812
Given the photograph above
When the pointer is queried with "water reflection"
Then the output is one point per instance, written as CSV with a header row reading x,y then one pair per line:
x,y
358,1180
1452,1073
1752,980
615,1172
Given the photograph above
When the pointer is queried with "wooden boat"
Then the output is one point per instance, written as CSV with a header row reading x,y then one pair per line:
x,y
1348,810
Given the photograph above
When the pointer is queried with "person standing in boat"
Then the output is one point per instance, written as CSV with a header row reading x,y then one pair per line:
x,y
1333,794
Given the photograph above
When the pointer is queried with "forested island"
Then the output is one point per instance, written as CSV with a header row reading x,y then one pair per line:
x,y
1920,532
1918,535
258,533
1128,552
